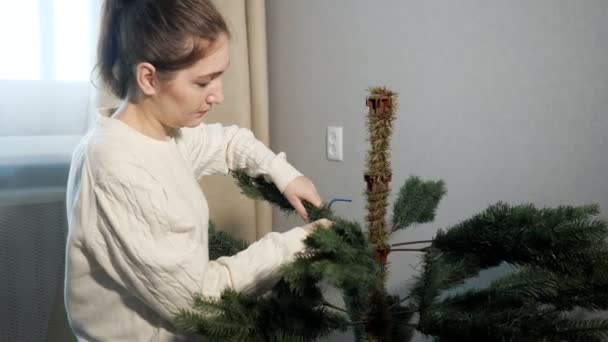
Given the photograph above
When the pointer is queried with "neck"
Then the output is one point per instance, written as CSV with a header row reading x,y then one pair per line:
x,y
140,116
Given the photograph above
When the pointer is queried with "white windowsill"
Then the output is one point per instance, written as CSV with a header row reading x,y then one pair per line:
x,y
34,169
37,150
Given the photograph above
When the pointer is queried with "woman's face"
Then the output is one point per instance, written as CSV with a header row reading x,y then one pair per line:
x,y
183,100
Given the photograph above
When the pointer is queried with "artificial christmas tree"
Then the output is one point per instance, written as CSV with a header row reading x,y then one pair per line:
x,y
559,258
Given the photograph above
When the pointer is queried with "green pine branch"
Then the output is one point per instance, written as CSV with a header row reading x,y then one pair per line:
x,y
258,188
294,309
563,239
417,202
561,255
223,244
580,330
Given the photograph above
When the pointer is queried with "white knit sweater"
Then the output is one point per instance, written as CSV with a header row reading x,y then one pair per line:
x,y
137,248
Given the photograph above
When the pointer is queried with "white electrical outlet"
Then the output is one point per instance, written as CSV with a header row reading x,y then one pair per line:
x,y
334,143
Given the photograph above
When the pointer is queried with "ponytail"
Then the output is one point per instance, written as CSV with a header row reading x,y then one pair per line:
x,y
108,46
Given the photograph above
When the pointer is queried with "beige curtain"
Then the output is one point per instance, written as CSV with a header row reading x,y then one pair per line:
x,y
246,104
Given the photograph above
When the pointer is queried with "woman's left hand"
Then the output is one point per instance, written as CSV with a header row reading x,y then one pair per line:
x,y
301,189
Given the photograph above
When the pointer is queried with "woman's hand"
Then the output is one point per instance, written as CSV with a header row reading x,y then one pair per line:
x,y
322,223
301,189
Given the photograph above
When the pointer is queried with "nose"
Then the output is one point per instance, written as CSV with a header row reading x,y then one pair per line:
x,y
216,96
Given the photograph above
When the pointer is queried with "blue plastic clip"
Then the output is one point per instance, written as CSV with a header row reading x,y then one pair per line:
x,y
338,200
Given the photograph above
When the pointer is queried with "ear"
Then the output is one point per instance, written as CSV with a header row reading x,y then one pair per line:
x,y
145,75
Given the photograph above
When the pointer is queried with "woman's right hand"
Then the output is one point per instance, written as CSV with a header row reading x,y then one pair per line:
x,y
322,223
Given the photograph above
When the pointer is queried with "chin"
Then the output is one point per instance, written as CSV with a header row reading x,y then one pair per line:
x,y
194,122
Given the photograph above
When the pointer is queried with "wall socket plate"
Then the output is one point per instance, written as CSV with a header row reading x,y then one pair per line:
x,y
334,143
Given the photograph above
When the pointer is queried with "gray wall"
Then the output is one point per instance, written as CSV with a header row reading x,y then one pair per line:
x,y
503,100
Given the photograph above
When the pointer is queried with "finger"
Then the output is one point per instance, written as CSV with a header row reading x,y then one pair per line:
x,y
313,198
324,223
297,205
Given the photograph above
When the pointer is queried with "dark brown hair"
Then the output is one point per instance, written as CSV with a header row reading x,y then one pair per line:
x,y
160,32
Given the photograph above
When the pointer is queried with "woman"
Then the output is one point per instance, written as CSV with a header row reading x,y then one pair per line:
x,y
138,242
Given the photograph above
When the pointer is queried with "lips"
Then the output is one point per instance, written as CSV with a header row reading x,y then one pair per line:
x,y
202,112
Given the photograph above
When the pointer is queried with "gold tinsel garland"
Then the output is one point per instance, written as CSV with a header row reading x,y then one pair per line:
x,y
382,104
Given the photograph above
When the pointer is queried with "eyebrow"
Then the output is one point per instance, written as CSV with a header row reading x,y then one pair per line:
x,y
213,74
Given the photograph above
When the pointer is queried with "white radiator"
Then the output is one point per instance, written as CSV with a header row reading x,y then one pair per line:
x,y
33,228
32,240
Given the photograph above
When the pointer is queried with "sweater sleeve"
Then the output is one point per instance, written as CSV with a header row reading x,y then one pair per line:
x,y
217,149
159,256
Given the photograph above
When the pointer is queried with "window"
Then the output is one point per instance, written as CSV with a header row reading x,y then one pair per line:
x,y
48,53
